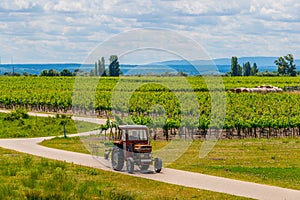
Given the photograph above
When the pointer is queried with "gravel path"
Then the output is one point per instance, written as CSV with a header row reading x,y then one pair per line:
x,y
178,177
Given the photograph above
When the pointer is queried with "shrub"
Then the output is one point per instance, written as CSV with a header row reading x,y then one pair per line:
x,y
17,114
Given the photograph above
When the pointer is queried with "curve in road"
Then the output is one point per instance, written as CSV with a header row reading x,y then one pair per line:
x,y
173,176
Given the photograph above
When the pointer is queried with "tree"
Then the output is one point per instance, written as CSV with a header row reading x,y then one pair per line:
x,y
100,67
66,72
50,72
236,69
26,74
44,73
234,66
180,73
96,68
291,66
281,66
240,70
53,72
65,119
254,70
114,66
78,72
93,73
286,65
247,69
104,127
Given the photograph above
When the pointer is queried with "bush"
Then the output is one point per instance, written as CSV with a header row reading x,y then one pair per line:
x,y
17,114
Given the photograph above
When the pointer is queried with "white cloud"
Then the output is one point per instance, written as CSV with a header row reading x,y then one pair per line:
x,y
69,6
73,28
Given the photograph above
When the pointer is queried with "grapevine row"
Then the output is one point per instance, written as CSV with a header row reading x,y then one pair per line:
x,y
155,101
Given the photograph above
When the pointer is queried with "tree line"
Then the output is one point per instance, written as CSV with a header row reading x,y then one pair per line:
x,y
113,68
245,70
285,67
99,69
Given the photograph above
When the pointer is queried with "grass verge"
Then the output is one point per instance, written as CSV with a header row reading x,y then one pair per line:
x,y
39,127
69,144
28,177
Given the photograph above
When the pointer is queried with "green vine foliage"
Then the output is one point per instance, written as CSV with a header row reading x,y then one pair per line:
x,y
155,105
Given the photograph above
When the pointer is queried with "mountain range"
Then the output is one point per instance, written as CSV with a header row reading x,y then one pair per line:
x,y
259,60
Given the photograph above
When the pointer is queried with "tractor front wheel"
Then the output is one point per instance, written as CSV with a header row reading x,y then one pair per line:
x,y
106,155
157,165
117,159
130,165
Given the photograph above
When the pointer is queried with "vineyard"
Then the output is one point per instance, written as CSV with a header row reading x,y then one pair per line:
x,y
178,105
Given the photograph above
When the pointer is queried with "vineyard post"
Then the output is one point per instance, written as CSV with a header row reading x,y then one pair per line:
x,y
65,131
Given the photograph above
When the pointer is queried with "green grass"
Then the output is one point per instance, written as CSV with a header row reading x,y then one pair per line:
x,y
68,144
27,177
39,127
274,161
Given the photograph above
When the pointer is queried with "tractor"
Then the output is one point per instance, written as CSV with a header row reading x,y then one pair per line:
x,y
132,146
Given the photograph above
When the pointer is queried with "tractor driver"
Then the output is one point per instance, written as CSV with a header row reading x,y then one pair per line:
x,y
134,135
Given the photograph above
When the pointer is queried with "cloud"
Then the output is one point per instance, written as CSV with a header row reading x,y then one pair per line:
x,y
73,28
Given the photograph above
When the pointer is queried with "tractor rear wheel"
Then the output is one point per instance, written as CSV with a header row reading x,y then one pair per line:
x,y
130,165
157,165
117,159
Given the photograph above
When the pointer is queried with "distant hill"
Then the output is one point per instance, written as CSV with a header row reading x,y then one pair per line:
x,y
260,61
38,68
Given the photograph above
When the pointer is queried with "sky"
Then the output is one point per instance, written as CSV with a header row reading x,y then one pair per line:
x,y
61,31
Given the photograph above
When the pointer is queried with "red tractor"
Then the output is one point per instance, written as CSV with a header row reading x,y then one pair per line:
x,y
132,146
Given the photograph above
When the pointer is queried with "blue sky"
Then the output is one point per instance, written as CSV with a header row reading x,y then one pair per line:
x,y
68,31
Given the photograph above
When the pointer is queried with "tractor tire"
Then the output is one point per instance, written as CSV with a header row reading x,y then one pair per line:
x,y
157,165
106,155
117,159
130,165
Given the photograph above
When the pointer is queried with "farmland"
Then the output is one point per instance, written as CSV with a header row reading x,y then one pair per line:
x,y
247,115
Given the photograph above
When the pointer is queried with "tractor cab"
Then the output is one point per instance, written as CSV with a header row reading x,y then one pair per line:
x,y
134,139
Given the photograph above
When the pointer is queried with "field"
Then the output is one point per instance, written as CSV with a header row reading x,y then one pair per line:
x,y
27,177
175,102
268,161
156,102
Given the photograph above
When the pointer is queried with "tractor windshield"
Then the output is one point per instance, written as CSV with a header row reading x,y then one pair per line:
x,y
139,134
